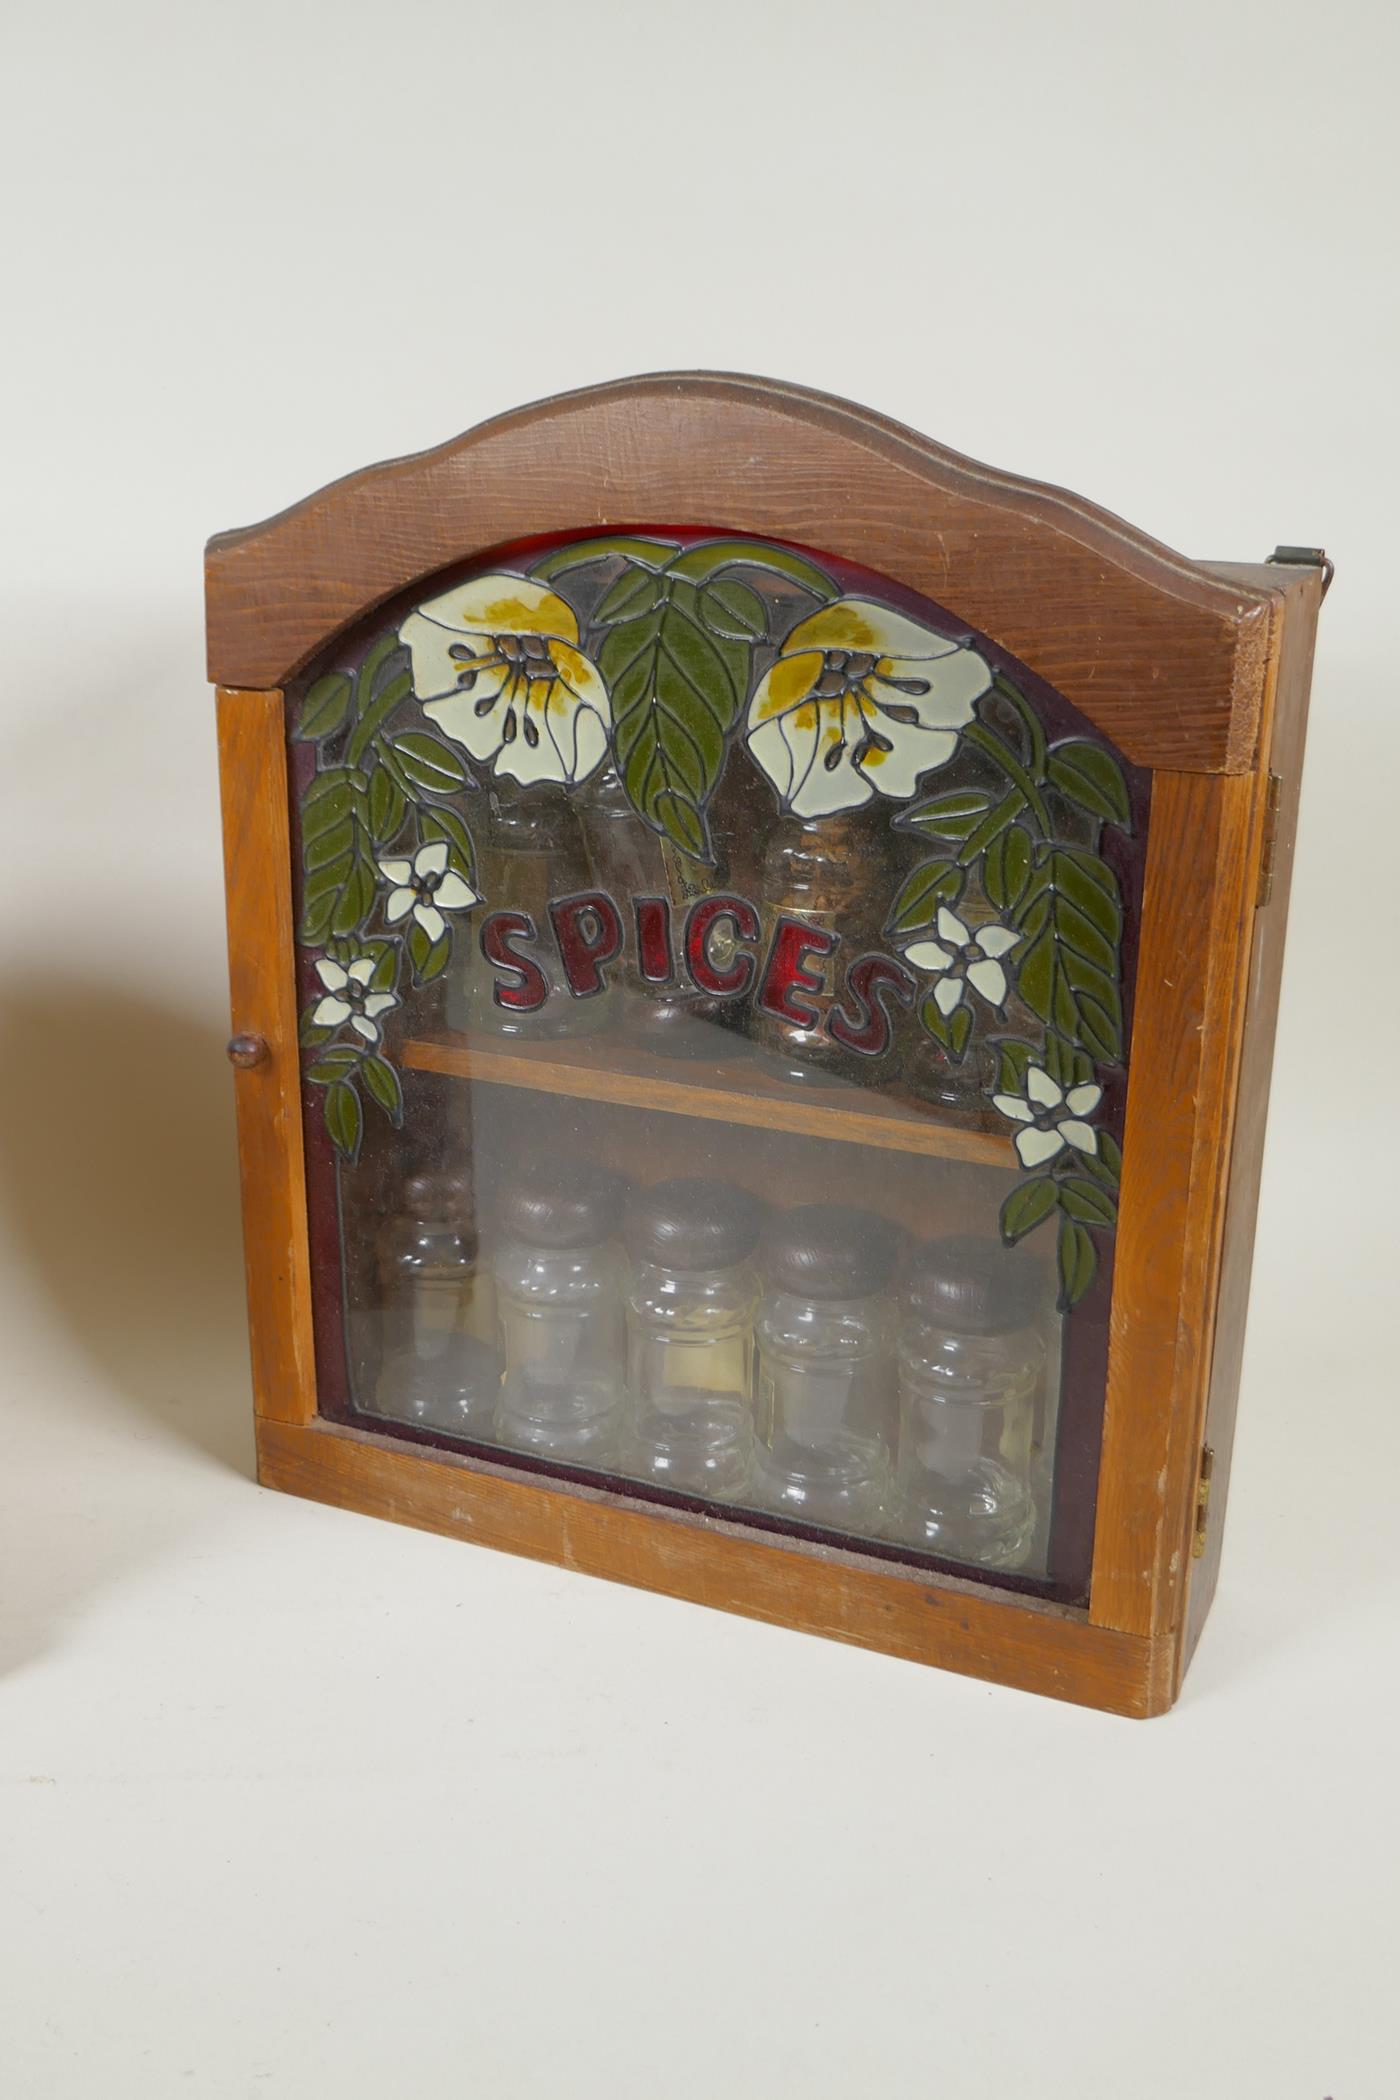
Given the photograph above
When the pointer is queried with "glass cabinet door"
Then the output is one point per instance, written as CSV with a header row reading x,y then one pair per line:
x,y
715,968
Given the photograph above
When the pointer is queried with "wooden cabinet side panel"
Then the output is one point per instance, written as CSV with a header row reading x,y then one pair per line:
x,y
262,994
1202,866
1290,715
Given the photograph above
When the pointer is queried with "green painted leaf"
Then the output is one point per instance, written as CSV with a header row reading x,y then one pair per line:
x,y
676,692
649,553
433,766
1077,1262
382,1083
933,883
337,1063
698,564
1035,979
382,687
1066,1065
1092,777
1091,886
1013,1062
384,752
443,823
386,969
953,1031
635,592
324,709
325,848
1006,868
310,1033
356,899
388,806
1067,966
1026,1207
429,958
1110,1155
1086,1201
330,799
316,919
952,815
733,611
344,1120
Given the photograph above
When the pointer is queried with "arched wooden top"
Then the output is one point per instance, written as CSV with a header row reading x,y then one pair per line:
x,y
1165,656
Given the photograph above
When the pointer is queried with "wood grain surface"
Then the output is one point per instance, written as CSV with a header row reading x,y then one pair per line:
x,y
1161,654
1251,1083
597,1070
1037,1647
262,991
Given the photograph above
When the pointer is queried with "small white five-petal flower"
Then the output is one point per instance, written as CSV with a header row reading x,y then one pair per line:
x,y
348,997
1050,1117
427,887
962,952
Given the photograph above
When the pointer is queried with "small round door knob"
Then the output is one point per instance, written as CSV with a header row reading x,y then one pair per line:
x,y
247,1049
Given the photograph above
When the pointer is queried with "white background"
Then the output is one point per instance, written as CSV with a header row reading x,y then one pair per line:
x,y
296,1804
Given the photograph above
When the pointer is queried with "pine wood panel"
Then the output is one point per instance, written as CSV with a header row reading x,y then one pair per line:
x,y
598,1070
262,993
1035,1647
1162,655
1285,758
1201,875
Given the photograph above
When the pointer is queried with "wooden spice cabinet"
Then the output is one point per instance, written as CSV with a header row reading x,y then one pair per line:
x,y
1195,674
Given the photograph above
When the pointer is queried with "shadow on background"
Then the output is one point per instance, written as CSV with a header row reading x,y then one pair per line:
x,y
118,1177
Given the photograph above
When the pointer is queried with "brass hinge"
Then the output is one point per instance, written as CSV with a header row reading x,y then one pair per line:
x,y
1198,1536
1268,851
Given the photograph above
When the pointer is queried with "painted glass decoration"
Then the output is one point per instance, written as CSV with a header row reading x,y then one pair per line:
x,y
703,857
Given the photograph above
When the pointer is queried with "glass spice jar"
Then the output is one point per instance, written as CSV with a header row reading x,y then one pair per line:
x,y
559,1304
690,1314
529,853
826,1366
628,861
838,874
970,1362
438,1370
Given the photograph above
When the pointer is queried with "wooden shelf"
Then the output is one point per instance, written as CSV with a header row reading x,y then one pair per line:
x,y
734,1091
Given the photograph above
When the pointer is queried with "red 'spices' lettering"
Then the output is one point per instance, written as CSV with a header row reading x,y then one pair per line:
x,y
786,976
727,980
862,1021
653,915
588,929
526,988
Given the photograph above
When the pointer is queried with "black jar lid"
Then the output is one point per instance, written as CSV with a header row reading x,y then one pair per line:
x,y
431,1190
974,1286
562,1203
693,1224
829,1250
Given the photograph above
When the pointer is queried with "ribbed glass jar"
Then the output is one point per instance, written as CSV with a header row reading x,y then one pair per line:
x,y
690,1313
826,1367
970,1360
559,1303
436,1372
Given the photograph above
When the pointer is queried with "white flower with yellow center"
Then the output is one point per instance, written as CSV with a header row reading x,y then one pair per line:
x,y
349,998
496,664
862,701
1050,1118
427,887
962,953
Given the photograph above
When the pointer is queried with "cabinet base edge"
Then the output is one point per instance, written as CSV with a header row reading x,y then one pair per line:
x,y
1030,1646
